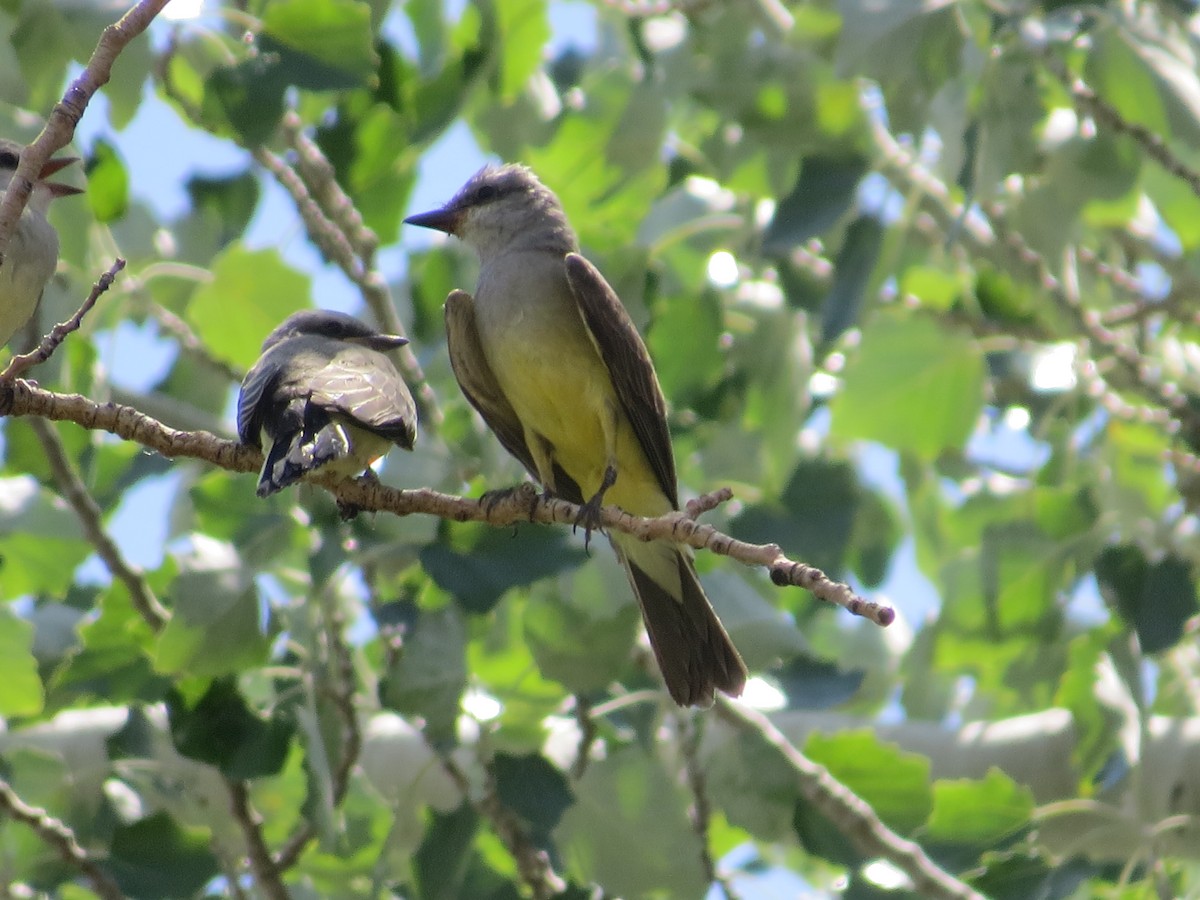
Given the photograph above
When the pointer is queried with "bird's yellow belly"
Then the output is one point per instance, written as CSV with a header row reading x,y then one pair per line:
x,y
562,392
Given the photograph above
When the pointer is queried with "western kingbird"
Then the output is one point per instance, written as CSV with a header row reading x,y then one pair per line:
x,y
32,252
549,357
327,397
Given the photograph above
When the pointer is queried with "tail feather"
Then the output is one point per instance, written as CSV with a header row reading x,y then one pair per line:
x,y
300,445
694,653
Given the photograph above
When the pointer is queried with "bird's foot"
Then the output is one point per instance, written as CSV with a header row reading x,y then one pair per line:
x,y
589,513
524,495
349,511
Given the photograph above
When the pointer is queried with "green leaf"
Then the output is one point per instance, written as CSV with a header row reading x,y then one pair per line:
x,y
20,686
428,675
225,203
750,782
979,812
811,683
40,40
247,98
629,829
215,626
524,27
441,862
1023,874
1156,599
156,857
812,519
1095,725
762,633
894,782
936,288
913,386
683,341
222,730
251,292
331,39
824,192
575,639
108,183
40,539
479,563
636,141
533,789
1115,70
852,274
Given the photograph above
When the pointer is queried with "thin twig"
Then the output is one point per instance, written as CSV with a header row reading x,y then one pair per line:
x,y
587,736
533,864
850,814
60,127
523,505
996,241
19,365
1090,103
58,836
689,726
266,875
342,694
91,518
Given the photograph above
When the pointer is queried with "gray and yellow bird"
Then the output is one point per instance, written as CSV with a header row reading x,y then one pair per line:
x,y
327,396
549,357
32,253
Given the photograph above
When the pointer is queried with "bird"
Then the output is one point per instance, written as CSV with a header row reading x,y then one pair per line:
x,y
32,253
548,356
328,398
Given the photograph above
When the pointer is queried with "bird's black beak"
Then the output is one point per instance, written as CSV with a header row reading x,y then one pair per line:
x,y
381,342
55,165
445,219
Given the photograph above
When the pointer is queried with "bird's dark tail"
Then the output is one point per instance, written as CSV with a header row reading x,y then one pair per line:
x,y
695,655
305,439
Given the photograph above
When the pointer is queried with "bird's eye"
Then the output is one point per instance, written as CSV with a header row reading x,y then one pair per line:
x,y
8,159
485,193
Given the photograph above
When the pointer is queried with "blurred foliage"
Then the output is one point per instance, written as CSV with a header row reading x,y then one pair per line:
x,y
894,393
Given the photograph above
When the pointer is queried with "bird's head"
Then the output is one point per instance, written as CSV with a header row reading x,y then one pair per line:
x,y
43,191
335,325
502,207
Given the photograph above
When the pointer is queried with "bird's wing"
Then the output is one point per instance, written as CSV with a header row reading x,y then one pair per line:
x,y
254,398
364,386
482,390
629,366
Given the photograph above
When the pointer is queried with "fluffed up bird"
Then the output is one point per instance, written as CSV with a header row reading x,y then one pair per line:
x,y
32,252
549,357
327,397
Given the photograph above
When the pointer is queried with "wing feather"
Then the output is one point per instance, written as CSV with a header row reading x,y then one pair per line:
x,y
363,386
629,366
482,390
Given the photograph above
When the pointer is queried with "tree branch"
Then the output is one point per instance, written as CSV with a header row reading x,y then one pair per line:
x,y
55,834
91,517
266,875
60,127
19,365
994,240
20,398
533,864
342,694
689,726
850,814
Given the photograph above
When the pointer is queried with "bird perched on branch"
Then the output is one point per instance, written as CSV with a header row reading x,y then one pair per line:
x,y
327,396
549,357
32,253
